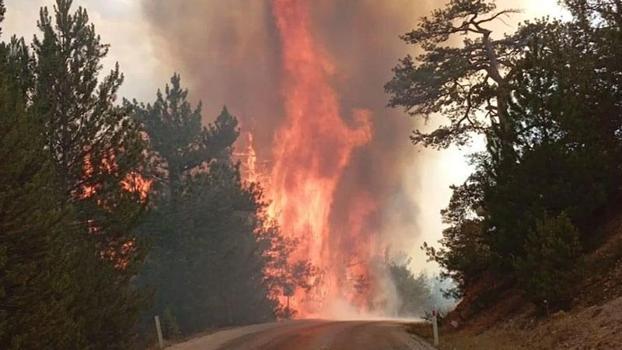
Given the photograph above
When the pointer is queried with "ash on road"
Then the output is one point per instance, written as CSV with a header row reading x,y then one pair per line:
x,y
311,335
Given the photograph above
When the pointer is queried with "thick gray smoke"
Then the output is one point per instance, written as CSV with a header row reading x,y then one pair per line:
x,y
227,53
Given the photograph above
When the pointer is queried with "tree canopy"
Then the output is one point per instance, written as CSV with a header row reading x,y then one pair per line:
x,y
68,250
212,242
547,100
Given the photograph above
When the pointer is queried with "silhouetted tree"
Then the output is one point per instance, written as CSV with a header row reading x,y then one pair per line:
x,y
467,84
94,147
208,259
35,230
413,291
547,100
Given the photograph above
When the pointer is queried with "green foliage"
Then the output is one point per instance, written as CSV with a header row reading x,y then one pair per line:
x,y
467,85
95,146
224,269
546,99
413,291
576,182
551,264
464,253
66,257
33,305
211,241
95,143
178,140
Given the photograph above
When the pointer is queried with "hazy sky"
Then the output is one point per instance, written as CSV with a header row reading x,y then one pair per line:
x,y
123,24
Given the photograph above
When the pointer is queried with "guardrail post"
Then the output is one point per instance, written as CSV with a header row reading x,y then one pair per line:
x,y
435,327
159,330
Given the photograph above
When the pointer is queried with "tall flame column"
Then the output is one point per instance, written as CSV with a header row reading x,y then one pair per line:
x,y
311,151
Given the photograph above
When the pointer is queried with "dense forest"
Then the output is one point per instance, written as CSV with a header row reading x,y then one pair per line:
x,y
210,238
69,201
547,101
113,211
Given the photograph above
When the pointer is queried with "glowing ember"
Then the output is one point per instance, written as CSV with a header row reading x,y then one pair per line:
x,y
249,160
133,182
119,253
136,183
311,151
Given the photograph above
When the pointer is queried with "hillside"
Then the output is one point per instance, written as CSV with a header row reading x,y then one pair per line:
x,y
495,315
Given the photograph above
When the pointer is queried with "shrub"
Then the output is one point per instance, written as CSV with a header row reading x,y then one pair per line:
x,y
551,265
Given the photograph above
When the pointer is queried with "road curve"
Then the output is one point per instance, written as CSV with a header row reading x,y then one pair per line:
x,y
311,335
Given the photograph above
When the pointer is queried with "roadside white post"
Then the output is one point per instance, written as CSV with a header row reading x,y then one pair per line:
x,y
159,330
435,327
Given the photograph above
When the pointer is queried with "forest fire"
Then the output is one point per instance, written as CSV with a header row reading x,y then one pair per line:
x,y
133,182
311,151
305,80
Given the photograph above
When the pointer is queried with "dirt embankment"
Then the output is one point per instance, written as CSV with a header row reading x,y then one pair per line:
x,y
493,315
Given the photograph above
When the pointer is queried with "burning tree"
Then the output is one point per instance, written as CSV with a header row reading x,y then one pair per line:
x,y
284,275
311,152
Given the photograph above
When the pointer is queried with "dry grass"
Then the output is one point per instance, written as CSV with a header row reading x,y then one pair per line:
x,y
465,341
594,327
507,322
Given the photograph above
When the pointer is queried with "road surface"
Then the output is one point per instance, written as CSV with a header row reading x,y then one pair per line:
x,y
311,335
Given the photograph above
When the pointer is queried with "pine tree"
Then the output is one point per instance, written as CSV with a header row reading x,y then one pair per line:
x,y
179,140
94,142
207,262
95,146
36,232
467,84
563,110
223,273
550,268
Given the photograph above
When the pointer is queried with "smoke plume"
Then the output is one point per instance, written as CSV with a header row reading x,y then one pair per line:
x,y
306,79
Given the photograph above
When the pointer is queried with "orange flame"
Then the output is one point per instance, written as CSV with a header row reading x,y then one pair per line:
x,y
251,159
133,182
311,152
119,253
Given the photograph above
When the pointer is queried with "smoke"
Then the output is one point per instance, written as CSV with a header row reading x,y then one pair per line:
x,y
362,37
233,52
228,52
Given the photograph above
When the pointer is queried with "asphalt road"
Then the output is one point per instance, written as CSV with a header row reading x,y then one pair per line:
x,y
311,335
